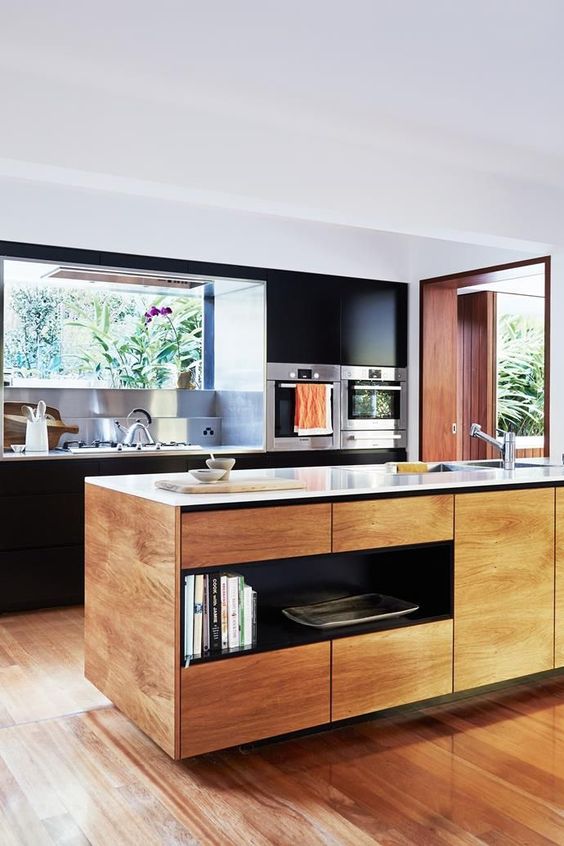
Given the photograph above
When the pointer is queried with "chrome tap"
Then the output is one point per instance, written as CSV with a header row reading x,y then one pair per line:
x,y
138,433
507,448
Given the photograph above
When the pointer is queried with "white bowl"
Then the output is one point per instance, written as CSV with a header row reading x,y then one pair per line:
x,y
225,464
18,447
208,475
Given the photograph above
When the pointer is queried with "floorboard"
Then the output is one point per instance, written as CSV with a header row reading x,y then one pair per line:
x,y
74,771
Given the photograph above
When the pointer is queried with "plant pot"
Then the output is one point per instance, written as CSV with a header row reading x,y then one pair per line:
x,y
184,380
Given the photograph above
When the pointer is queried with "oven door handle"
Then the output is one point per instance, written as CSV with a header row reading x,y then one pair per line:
x,y
376,387
305,382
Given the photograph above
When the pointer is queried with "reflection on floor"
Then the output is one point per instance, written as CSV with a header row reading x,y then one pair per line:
x,y
74,771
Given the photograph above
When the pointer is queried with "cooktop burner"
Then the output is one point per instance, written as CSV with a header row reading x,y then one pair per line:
x,y
113,446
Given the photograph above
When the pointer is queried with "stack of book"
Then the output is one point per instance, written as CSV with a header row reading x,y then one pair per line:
x,y
220,614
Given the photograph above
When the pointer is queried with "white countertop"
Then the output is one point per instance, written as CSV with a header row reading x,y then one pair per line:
x,y
332,481
8,455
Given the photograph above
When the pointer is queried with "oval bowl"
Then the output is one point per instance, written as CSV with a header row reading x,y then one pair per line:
x,y
208,475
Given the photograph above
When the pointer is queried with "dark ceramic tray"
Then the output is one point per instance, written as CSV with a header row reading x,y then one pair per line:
x,y
349,610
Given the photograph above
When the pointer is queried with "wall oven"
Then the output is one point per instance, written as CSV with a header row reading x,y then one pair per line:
x,y
373,407
286,426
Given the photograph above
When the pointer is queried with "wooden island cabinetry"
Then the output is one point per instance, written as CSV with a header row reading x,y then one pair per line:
x,y
480,565
504,586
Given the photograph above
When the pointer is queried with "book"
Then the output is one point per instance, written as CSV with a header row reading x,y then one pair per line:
x,y
198,614
206,617
254,622
233,610
224,613
188,617
248,615
215,613
241,611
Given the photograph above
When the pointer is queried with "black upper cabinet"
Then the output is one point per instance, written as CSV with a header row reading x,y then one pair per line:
x,y
373,323
332,319
303,318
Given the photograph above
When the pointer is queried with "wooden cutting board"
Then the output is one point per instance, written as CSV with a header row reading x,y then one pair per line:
x,y
229,487
15,425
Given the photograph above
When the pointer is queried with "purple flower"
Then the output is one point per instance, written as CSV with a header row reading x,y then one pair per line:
x,y
166,310
153,311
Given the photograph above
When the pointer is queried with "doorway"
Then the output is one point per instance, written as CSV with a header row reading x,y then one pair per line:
x,y
485,358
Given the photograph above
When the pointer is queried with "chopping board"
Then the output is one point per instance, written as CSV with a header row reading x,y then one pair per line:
x,y
229,487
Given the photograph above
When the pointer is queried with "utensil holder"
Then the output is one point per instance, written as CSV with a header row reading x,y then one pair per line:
x,y
36,436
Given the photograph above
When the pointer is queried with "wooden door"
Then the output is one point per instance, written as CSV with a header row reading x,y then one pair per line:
x,y
477,372
504,585
439,364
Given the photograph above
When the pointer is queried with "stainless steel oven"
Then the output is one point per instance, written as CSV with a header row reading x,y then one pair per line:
x,y
373,407
282,433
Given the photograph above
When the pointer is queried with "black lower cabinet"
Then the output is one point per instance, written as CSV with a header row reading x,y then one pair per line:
x,y
42,520
42,507
41,578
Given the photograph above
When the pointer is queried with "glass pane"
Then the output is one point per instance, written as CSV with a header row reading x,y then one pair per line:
x,y
520,365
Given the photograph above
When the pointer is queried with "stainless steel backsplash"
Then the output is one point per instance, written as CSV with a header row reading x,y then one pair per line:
x,y
209,418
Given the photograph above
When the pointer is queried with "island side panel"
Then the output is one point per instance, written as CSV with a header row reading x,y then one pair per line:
x,y
132,607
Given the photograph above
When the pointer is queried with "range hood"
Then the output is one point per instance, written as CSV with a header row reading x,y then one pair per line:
x,y
95,274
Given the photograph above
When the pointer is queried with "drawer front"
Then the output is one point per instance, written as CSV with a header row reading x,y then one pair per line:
x,y
385,669
212,538
41,521
41,578
238,700
392,522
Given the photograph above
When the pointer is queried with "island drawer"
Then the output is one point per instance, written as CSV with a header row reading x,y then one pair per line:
x,y
239,700
215,538
373,524
389,668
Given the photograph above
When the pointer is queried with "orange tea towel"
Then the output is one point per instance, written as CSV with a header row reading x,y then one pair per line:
x,y
312,415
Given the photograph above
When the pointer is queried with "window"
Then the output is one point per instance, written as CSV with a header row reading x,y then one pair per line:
x,y
92,327
520,364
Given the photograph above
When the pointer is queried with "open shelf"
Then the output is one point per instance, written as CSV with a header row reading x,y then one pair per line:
x,y
420,574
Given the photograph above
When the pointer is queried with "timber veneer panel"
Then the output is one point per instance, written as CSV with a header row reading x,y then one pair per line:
x,y
131,625
504,585
238,700
382,670
559,603
392,522
254,534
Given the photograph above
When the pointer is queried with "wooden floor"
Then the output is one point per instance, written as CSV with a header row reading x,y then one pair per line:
x,y
74,771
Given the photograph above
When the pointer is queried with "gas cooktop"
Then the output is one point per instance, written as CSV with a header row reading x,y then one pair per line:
x,y
113,446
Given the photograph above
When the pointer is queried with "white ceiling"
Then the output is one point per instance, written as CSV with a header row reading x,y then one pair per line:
x,y
316,107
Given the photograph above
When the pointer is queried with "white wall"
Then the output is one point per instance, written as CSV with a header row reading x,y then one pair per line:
x,y
45,213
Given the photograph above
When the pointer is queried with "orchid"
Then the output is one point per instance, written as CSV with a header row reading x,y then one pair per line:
x,y
183,345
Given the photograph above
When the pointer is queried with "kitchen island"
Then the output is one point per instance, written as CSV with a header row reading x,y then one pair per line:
x,y
479,551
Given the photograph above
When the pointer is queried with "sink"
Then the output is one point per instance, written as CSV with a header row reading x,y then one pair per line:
x,y
443,467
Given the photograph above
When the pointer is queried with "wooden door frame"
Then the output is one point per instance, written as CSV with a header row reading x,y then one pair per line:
x,y
469,278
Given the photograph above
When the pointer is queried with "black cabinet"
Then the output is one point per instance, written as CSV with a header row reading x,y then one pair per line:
x,y
41,578
373,323
303,318
319,319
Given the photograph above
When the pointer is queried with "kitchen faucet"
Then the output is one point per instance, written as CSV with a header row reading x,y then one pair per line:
x,y
507,449
137,433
